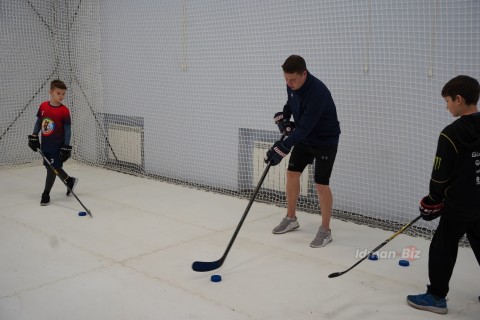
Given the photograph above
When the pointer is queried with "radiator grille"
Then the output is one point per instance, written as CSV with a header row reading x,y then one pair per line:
x,y
126,141
275,180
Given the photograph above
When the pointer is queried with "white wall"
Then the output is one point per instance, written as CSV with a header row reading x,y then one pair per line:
x,y
198,71
390,115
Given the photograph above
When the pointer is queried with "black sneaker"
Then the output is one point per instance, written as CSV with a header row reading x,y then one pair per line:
x,y
71,182
45,199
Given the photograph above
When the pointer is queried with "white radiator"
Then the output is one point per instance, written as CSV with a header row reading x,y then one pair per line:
x,y
275,179
126,142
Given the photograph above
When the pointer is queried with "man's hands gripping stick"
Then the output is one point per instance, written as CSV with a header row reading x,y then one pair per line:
x,y
285,126
276,153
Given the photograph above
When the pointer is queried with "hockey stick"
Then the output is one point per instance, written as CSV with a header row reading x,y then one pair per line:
x,y
56,172
201,266
405,227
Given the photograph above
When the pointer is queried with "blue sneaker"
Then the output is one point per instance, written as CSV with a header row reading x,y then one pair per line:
x,y
428,302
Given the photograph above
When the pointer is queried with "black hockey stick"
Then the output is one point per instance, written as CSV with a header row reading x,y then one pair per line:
x,y
405,227
56,172
201,266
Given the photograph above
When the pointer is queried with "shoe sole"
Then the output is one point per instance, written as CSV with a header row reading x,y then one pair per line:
x,y
428,308
286,230
323,244
44,204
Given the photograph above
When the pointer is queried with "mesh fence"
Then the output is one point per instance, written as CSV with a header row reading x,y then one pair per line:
x,y
185,91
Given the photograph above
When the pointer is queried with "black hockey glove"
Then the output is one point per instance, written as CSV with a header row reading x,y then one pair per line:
x,y
65,152
284,125
281,117
276,153
33,142
429,209
288,127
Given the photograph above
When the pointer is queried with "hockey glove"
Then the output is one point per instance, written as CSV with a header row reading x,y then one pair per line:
x,y
429,209
65,152
280,117
284,125
288,127
276,153
33,142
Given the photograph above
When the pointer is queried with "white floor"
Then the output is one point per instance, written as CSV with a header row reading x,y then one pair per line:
x,y
133,259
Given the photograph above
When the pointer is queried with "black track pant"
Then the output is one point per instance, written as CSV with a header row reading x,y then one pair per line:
x,y
50,180
444,249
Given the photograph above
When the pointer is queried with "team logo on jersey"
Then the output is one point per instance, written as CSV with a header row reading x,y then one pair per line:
x,y
48,126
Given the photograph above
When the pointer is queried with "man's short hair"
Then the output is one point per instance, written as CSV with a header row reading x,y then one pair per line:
x,y
58,84
294,64
464,86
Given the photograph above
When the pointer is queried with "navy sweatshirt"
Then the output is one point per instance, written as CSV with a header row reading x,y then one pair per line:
x,y
314,113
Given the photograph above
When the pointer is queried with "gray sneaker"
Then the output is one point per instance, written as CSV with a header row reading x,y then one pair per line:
x,y
323,238
287,224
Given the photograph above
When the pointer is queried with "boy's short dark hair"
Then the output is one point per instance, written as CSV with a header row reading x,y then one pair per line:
x,y
294,64
58,84
464,86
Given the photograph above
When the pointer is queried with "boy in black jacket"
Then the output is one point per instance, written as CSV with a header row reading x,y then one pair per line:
x,y
454,192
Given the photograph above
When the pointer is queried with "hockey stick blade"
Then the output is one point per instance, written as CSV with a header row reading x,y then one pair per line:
x,y
405,227
200,266
89,213
336,274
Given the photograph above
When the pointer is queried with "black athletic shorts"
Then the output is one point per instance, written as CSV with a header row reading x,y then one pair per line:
x,y
54,158
324,157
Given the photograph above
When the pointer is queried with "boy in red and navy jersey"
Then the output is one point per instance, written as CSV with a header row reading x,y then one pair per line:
x,y
54,122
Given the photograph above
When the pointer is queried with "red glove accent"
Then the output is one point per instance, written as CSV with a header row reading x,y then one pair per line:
x,y
430,210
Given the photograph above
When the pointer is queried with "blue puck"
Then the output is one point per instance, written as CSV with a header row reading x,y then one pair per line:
x,y
404,263
216,278
372,257
82,213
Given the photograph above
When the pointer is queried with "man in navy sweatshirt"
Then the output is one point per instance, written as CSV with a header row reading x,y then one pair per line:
x,y
314,135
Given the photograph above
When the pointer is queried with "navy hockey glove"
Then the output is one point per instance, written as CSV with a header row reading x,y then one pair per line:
x,y
65,152
33,142
429,209
284,125
280,117
276,153
288,127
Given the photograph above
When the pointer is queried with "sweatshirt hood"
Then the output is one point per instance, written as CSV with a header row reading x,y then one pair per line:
x,y
467,130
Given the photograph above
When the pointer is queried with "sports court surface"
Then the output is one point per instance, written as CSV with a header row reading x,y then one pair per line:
x,y
133,259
